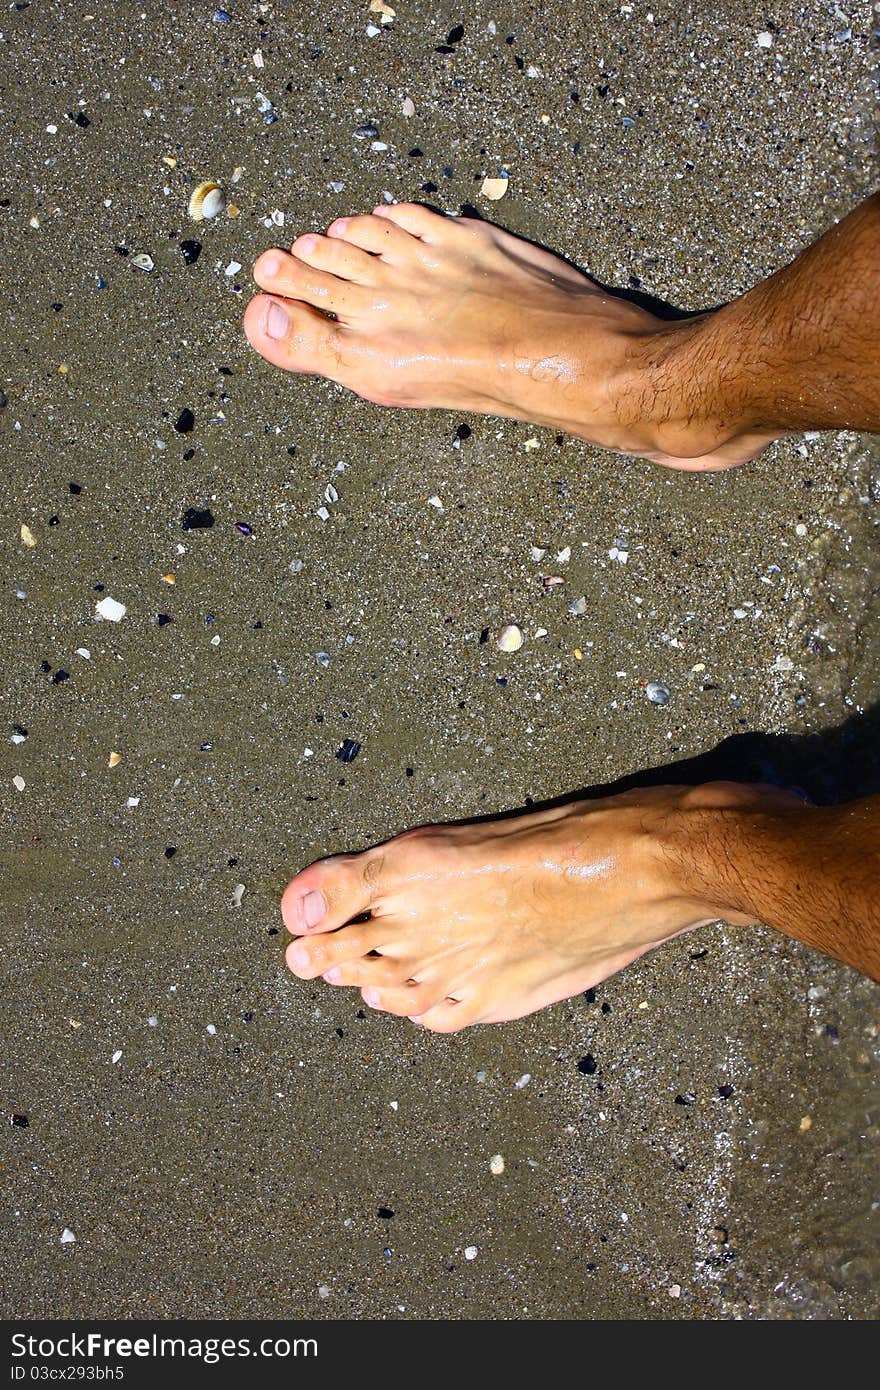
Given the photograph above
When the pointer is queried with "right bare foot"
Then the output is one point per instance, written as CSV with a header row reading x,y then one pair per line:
x,y
409,308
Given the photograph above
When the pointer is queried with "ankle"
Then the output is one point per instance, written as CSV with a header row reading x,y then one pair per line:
x,y
682,391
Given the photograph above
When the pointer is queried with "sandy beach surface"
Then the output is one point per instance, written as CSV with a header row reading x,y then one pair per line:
x,y
697,1140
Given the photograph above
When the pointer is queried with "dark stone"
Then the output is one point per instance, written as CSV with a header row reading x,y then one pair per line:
x,y
185,421
191,251
385,1213
195,519
587,1065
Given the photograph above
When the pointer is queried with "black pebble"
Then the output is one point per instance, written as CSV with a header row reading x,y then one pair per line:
x,y
60,676
163,619
54,521
684,1100
456,34
20,1121
463,431
725,1092
75,489
484,637
587,1065
196,520
171,851
606,1007
185,421
590,996
416,153
80,119
385,1213
191,251
348,750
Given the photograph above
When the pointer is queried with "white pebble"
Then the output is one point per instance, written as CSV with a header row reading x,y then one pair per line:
x,y
67,1237
133,801
764,40
117,1057
800,529
324,1290
211,1029
524,1080
110,609
408,108
152,1020
496,1165
237,894
470,1252
84,653
233,268
675,1290
18,783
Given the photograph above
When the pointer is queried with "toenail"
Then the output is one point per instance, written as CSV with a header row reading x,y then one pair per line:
x,y
371,997
332,975
276,321
300,956
270,264
314,908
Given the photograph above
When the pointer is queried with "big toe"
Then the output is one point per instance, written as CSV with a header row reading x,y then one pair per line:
x,y
290,334
328,894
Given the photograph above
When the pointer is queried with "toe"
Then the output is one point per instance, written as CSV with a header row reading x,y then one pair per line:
x,y
367,972
330,893
450,1016
288,276
308,957
293,336
376,235
335,257
404,999
413,218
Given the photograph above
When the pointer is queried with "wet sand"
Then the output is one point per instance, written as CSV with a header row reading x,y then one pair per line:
x,y
714,1158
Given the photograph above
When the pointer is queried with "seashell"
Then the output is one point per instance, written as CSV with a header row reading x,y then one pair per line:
x,y
657,693
142,261
206,200
493,189
510,638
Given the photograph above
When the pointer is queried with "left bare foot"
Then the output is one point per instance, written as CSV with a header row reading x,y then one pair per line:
x,y
483,922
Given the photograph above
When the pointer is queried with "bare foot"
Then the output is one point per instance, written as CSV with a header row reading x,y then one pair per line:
x,y
409,308
478,923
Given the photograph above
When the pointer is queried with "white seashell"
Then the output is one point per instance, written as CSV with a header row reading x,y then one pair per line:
x,y
142,261
206,200
493,189
510,638
67,1237
496,1165
110,609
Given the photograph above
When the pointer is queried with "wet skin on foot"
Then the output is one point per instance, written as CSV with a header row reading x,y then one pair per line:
x,y
409,308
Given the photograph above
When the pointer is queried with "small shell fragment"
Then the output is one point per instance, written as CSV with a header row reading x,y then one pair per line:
x,y
110,609
408,108
494,189
114,760
27,536
496,1165
18,783
470,1252
206,200
510,638
142,261
67,1237
657,693
237,894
